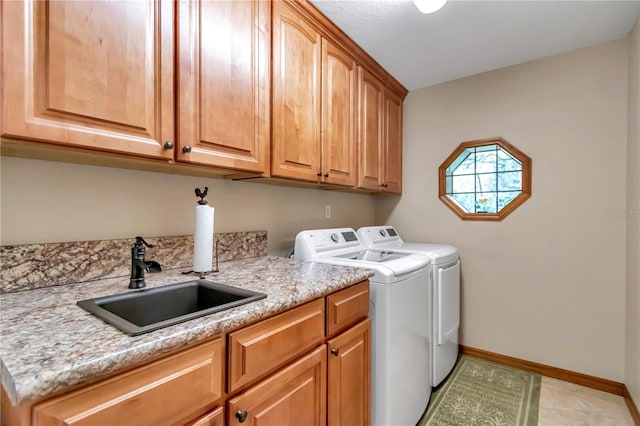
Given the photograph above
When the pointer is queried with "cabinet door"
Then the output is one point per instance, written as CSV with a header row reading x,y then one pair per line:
x,y
223,83
296,96
392,143
91,74
370,142
349,376
339,118
294,396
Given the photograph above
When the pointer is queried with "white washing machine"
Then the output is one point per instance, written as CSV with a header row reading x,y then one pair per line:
x,y
401,347
445,292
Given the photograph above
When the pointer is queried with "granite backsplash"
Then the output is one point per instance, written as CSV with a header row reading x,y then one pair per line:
x,y
27,267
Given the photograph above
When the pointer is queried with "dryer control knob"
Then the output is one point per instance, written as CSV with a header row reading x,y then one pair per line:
x,y
334,237
382,233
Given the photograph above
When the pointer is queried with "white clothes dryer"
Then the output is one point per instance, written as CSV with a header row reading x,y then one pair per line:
x,y
445,292
401,347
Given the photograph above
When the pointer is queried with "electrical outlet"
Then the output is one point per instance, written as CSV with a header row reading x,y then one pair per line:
x,y
327,211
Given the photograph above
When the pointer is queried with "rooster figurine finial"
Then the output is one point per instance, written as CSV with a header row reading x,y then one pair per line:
x,y
201,195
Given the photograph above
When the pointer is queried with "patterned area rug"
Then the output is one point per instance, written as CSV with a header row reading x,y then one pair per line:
x,y
480,392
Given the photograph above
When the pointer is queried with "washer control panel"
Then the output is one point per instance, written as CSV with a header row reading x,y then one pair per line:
x,y
338,239
372,235
310,243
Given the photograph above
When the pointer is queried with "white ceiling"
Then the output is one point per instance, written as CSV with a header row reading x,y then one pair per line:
x,y
469,37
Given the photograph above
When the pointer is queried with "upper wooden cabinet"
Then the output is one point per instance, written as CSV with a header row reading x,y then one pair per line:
x,y
296,96
392,161
314,103
370,143
223,83
339,116
380,137
100,75
89,74
252,88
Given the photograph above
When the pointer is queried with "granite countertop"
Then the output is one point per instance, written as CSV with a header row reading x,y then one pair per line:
x,y
49,344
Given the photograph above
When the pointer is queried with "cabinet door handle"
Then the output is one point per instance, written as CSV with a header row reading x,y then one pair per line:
x,y
319,174
168,145
186,149
335,351
326,175
241,415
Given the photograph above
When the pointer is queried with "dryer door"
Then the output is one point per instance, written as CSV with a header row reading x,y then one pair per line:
x,y
448,300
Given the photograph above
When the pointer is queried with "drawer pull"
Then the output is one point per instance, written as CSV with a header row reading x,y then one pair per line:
x,y
241,415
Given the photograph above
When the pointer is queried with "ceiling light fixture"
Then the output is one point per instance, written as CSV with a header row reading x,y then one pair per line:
x,y
429,6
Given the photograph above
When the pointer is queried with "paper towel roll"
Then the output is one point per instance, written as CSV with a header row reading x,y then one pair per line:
x,y
203,239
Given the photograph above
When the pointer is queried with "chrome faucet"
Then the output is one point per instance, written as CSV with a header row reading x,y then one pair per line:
x,y
139,265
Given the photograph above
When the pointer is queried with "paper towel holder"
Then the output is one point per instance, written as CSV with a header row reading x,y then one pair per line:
x,y
203,274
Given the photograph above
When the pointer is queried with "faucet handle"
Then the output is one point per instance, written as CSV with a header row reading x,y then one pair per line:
x,y
141,240
151,266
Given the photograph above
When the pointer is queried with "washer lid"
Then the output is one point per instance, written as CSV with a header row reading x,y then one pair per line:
x,y
384,272
394,262
374,255
439,253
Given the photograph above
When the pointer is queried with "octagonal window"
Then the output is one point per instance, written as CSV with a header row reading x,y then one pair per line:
x,y
485,179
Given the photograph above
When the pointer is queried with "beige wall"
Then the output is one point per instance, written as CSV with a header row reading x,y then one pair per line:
x,y
632,365
547,283
44,201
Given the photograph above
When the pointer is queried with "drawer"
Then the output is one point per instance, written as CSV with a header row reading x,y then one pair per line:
x,y
212,418
346,307
262,347
160,393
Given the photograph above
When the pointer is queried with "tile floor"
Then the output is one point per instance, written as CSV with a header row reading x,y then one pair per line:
x,y
567,404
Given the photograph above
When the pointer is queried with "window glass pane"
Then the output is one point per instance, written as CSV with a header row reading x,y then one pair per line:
x,y
505,198
506,162
486,161
486,182
510,181
487,148
463,165
466,201
486,202
449,184
463,183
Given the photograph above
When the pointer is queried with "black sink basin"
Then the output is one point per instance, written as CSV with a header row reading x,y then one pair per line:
x,y
142,311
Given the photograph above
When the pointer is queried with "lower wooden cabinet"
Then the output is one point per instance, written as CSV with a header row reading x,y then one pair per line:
x,y
349,376
294,396
161,393
309,365
330,385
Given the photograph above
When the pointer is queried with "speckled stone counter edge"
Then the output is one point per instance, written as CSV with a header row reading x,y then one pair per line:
x,y
27,267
